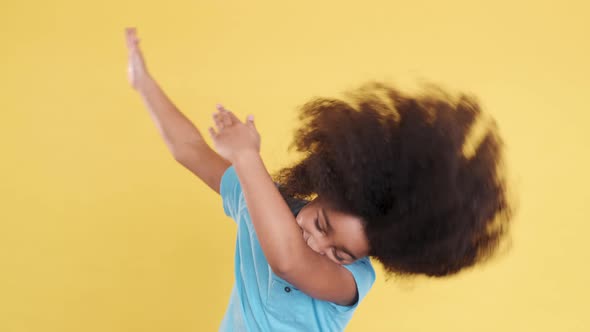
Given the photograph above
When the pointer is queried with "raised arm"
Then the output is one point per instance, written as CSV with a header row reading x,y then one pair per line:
x,y
282,242
279,235
182,138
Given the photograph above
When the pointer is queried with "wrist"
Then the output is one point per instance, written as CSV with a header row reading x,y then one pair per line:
x,y
245,158
144,84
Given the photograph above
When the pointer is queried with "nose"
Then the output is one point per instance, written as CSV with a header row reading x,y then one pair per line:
x,y
320,246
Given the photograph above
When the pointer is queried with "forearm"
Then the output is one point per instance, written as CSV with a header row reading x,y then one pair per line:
x,y
277,231
174,127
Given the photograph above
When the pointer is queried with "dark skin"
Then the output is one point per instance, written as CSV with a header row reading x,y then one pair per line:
x,y
432,195
338,236
310,259
394,162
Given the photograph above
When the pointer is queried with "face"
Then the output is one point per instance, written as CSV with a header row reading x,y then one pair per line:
x,y
336,235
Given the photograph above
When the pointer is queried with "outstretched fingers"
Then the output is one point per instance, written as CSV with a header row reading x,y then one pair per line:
x,y
217,119
227,118
131,38
233,118
213,133
221,118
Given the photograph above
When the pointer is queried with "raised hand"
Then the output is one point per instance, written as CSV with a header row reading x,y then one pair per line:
x,y
234,137
137,72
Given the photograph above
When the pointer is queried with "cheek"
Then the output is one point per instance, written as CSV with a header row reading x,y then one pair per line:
x,y
299,220
302,220
303,224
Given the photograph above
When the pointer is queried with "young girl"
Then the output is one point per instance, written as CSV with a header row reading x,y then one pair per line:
x,y
388,176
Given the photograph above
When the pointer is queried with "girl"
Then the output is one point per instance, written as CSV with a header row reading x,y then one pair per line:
x,y
388,176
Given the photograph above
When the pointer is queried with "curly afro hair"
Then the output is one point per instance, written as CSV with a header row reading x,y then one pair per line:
x,y
432,201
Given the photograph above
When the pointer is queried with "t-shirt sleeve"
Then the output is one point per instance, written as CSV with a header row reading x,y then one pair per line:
x,y
231,193
364,277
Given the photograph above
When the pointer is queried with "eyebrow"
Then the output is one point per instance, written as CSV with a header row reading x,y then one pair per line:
x,y
329,226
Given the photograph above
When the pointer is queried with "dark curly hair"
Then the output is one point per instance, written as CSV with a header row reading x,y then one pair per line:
x,y
432,201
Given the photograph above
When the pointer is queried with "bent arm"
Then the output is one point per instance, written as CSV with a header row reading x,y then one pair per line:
x,y
281,238
174,127
182,138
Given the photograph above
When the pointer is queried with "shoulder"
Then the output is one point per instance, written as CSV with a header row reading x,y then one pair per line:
x,y
362,270
231,192
364,276
229,178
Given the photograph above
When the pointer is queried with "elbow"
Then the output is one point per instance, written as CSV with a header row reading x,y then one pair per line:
x,y
281,271
284,267
288,260
187,151
180,157
179,153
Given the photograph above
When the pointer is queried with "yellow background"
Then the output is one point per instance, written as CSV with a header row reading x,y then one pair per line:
x,y
101,230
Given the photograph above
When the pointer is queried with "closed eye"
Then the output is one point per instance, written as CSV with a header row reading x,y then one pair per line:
x,y
334,252
317,225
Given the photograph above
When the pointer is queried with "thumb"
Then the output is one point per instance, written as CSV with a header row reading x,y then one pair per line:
x,y
250,121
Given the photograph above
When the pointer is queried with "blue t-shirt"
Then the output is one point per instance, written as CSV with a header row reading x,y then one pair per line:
x,y
261,300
